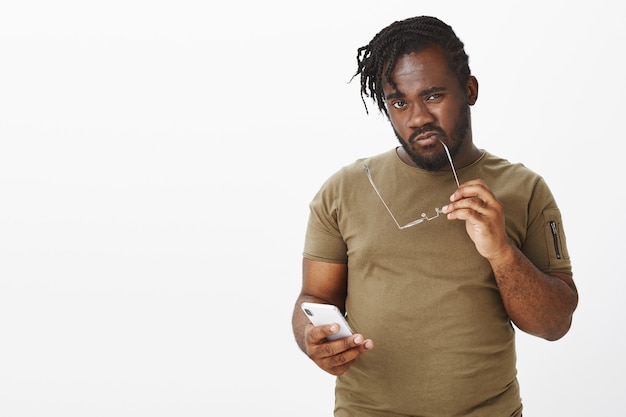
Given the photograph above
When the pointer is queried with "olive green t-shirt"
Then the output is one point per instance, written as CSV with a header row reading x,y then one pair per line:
x,y
444,344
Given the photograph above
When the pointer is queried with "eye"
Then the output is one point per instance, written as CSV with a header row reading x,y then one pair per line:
x,y
398,104
434,97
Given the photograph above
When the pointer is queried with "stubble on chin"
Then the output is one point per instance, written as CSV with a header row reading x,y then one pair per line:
x,y
436,162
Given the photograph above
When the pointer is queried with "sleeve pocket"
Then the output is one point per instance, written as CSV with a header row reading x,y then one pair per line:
x,y
555,236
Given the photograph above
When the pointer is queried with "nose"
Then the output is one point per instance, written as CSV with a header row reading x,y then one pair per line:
x,y
420,115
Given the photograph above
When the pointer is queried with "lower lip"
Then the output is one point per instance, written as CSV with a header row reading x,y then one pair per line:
x,y
426,141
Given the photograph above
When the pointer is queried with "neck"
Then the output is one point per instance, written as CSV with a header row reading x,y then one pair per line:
x,y
467,156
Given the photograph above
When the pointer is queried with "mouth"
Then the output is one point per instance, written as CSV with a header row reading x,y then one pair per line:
x,y
426,139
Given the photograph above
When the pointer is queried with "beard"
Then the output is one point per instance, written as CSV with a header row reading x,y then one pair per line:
x,y
454,141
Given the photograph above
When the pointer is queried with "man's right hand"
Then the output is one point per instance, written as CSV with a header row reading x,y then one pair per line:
x,y
336,356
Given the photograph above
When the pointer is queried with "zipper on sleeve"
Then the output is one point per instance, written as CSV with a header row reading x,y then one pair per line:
x,y
555,239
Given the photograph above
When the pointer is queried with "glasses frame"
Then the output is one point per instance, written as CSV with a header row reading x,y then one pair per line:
x,y
424,217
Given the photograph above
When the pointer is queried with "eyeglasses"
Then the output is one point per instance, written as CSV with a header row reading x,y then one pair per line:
x,y
424,216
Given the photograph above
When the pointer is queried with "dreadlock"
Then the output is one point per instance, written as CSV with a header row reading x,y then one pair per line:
x,y
379,57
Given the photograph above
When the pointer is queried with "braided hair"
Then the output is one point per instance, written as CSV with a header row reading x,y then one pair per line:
x,y
400,38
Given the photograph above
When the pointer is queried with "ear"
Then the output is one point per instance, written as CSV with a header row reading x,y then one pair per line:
x,y
472,90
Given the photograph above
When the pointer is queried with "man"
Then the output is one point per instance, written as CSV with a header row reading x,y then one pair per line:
x,y
433,249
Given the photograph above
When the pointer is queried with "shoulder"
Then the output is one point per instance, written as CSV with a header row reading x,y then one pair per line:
x,y
495,166
357,168
515,181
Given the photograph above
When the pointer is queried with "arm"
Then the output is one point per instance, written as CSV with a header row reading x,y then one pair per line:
x,y
324,282
538,303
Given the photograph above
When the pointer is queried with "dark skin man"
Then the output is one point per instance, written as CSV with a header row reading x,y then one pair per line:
x,y
426,106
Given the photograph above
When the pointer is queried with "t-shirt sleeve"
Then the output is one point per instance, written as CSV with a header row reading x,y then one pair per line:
x,y
323,240
545,244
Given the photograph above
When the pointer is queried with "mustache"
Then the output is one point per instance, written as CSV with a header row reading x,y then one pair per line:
x,y
427,129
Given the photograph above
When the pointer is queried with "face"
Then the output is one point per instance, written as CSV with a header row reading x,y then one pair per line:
x,y
429,105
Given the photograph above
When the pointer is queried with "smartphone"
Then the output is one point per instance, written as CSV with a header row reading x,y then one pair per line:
x,y
320,314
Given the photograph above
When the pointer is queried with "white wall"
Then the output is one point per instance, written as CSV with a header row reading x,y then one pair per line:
x,y
157,159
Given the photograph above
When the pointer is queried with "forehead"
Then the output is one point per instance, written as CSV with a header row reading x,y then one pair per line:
x,y
426,68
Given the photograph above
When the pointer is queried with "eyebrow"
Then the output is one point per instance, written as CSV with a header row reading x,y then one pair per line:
x,y
426,92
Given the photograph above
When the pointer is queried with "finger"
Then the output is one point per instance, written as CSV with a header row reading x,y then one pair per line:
x,y
473,189
472,198
326,348
339,370
337,356
318,334
471,206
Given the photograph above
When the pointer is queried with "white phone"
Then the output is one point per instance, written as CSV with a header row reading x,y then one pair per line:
x,y
320,314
